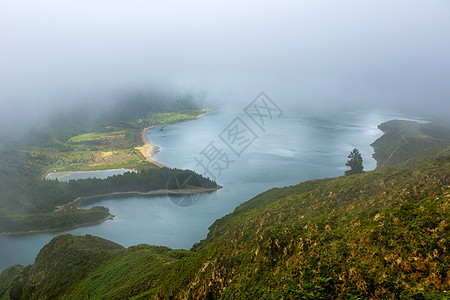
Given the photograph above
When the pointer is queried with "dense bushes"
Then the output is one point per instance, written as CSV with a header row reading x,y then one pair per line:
x,y
142,181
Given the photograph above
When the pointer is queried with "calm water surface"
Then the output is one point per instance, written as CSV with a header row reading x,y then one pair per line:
x,y
293,148
100,174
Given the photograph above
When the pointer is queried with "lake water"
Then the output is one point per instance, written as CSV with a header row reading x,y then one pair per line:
x,y
100,174
292,148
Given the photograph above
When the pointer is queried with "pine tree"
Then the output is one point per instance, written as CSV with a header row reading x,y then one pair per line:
x,y
355,163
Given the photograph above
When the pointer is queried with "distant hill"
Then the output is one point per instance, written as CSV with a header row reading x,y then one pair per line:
x,y
402,139
383,234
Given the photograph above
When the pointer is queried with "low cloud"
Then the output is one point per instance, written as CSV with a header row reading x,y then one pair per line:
x,y
307,54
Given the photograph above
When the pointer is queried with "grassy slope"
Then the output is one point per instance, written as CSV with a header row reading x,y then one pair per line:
x,y
402,139
381,234
6,278
71,259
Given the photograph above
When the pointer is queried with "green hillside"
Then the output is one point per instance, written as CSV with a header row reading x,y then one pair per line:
x,y
402,139
378,235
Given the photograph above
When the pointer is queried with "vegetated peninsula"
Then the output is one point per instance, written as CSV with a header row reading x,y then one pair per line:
x,y
403,138
78,140
383,234
53,194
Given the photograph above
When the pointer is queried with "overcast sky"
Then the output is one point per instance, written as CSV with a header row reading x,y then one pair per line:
x,y
302,53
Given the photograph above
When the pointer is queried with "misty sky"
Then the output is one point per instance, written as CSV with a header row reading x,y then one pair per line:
x,y
302,53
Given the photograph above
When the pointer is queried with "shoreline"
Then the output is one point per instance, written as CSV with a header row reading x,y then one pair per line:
x,y
60,174
149,193
110,216
148,150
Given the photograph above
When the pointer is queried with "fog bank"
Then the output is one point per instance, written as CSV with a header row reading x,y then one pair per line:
x,y
305,54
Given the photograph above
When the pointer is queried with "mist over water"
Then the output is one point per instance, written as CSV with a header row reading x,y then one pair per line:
x,y
295,147
310,55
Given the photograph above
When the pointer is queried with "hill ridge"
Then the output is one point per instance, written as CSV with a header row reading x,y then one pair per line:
x,y
380,234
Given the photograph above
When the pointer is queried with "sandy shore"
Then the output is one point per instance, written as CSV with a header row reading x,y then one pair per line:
x,y
148,150
54,175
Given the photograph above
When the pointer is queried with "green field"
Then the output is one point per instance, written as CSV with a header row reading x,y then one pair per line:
x,y
155,119
94,135
109,146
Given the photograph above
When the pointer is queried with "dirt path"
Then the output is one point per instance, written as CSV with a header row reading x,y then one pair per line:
x,y
404,139
390,156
